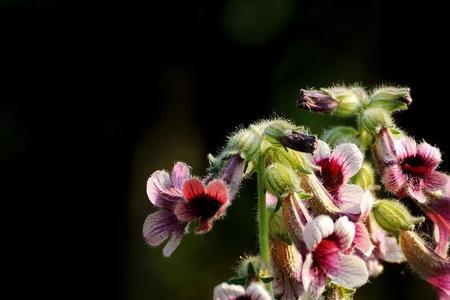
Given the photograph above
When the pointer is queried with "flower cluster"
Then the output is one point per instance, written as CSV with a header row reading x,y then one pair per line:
x,y
324,225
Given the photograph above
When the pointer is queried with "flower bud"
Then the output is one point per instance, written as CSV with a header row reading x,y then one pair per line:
x,y
429,265
281,180
290,136
391,98
394,217
246,142
289,157
339,135
350,100
251,268
383,149
278,229
317,101
375,118
365,178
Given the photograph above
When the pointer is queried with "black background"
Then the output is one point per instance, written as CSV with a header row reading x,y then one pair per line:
x,y
82,81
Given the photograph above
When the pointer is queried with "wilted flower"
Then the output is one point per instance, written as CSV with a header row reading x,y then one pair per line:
x,y
255,291
408,169
328,243
429,265
287,266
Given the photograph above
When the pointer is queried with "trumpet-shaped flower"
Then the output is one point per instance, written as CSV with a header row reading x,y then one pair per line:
x,y
408,169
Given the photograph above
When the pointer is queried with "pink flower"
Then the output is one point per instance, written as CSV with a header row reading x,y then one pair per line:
x,y
255,291
328,244
181,199
336,168
408,169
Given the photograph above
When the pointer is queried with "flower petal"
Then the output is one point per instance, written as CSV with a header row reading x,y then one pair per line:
x,y
348,271
158,226
217,189
225,291
344,233
160,190
434,180
351,199
322,151
316,230
438,210
185,212
256,291
430,155
271,200
174,241
180,173
415,192
405,147
394,180
193,188
349,157
362,239
313,278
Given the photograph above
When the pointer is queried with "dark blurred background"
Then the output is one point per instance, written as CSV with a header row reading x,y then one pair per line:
x,y
96,95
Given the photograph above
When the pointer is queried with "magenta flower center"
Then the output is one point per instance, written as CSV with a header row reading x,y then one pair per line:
x,y
414,165
205,206
331,175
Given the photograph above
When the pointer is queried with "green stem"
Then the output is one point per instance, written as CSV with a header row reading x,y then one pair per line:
x,y
263,218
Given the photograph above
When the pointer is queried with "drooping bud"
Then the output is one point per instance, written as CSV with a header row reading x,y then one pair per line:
x,y
281,180
286,134
365,178
245,143
429,265
394,217
317,101
287,263
391,98
289,157
375,118
350,100
339,135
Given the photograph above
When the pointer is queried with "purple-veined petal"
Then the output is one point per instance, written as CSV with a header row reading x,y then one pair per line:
x,y
225,291
434,180
158,226
174,241
344,233
180,173
405,147
415,191
430,155
349,157
185,212
387,247
316,230
438,210
394,179
160,190
313,278
256,291
362,239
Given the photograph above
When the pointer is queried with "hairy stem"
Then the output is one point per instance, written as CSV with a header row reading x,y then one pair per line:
x,y
263,218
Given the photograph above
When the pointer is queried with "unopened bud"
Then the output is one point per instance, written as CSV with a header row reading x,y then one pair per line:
x,y
339,135
383,149
365,178
394,217
290,157
391,98
278,229
375,118
317,101
251,268
245,142
281,180
292,137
